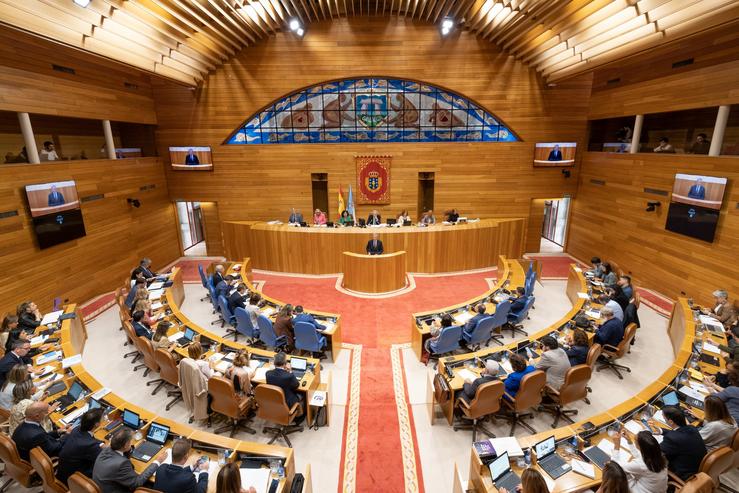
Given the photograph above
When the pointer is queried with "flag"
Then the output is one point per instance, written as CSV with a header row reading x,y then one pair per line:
x,y
350,205
341,201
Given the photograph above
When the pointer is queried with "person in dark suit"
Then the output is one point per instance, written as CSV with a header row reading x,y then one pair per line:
x,y
29,316
296,217
555,154
697,191
519,302
374,246
611,332
301,316
81,448
17,355
131,297
113,471
218,274
282,377
178,477
55,197
139,326
374,219
490,374
683,445
31,434
469,327
283,325
578,347
237,299
223,288
191,159
143,270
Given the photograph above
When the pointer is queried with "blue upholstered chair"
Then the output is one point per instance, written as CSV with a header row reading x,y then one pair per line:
x,y
267,334
307,338
516,318
226,315
244,325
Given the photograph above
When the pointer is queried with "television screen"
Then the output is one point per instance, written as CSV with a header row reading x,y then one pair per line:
x,y
191,158
695,206
55,212
555,153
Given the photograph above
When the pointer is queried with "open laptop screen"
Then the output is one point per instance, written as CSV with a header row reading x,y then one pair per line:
x,y
499,466
75,390
189,334
298,363
545,447
158,433
131,419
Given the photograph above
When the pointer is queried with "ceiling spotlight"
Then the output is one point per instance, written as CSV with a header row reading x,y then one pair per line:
x,y
82,3
295,25
300,32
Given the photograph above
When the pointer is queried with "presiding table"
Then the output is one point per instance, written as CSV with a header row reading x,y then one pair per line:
x,y
374,273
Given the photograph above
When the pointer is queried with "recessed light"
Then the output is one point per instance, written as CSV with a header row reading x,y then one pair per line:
x,y
447,24
82,3
294,25
300,32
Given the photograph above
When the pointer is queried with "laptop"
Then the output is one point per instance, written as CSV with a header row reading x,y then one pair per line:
x,y
75,391
187,337
503,476
130,419
521,349
597,456
690,401
547,458
391,222
299,366
670,399
155,440
407,222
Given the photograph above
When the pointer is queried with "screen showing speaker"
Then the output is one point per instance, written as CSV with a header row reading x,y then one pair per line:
x,y
55,212
191,158
555,153
695,205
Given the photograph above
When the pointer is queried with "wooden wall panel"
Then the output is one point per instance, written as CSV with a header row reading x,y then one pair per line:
x,y
117,234
610,221
264,182
533,228
213,239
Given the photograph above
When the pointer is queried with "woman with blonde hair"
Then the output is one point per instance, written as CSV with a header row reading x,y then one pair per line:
x,y
22,398
229,480
718,425
160,339
241,373
141,294
17,374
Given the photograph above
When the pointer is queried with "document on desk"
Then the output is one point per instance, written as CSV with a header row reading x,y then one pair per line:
x,y
156,294
48,357
699,387
507,444
463,318
38,340
583,296
690,392
593,313
52,317
176,336
74,414
633,426
659,417
506,366
466,374
71,361
261,374
257,478
577,269
707,346
100,393
268,311
318,399
156,286
711,323
583,468
606,445
254,364
156,305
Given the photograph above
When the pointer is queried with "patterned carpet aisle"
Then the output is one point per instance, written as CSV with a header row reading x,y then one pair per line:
x,y
377,324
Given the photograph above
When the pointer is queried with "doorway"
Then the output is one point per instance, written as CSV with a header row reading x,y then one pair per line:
x,y
554,225
192,231
319,185
425,192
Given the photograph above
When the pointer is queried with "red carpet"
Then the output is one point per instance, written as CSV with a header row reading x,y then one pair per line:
x,y
554,267
190,269
376,324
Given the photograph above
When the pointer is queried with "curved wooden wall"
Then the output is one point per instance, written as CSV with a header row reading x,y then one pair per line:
x,y
439,248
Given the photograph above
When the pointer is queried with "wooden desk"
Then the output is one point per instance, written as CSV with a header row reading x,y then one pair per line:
x,y
72,331
374,273
317,250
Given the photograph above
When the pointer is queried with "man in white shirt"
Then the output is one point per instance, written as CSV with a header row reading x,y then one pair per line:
x,y
48,153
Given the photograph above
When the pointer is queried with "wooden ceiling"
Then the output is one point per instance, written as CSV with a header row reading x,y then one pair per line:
x,y
183,40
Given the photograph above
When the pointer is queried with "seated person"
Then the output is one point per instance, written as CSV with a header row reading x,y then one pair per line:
x,y
374,246
141,329
609,277
31,434
723,311
682,445
729,393
428,218
469,327
160,340
346,219
255,300
452,216
374,219
665,146
113,471
403,217
701,145
436,328
553,361
624,283
319,218
611,332
144,270
224,287
218,274
295,217
617,294
237,299
282,377
597,269
301,316
140,283
489,374
607,302
519,302
520,369
718,426
81,448
179,476
579,347
18,355
283,325
29,316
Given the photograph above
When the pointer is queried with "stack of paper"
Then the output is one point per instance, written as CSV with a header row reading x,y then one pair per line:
x,y
38,340
711,323
466,374
507,444
580,467
506,366
711,348
223,366
156,305
51,318
155,295
254,364
267,311
259,479
606,445
699,387
463,318
156,286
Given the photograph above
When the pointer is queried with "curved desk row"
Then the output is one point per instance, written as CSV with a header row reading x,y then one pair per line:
x,y
318,250
72,336
682,332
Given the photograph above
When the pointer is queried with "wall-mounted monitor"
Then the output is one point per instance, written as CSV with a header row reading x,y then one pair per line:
x,y
696,205
555,153
191,158
55,212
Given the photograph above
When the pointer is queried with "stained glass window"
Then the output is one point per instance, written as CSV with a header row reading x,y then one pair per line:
x,y
372,110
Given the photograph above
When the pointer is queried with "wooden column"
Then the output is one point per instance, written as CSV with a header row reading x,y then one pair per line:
x,y
717,139
29,140
109,144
